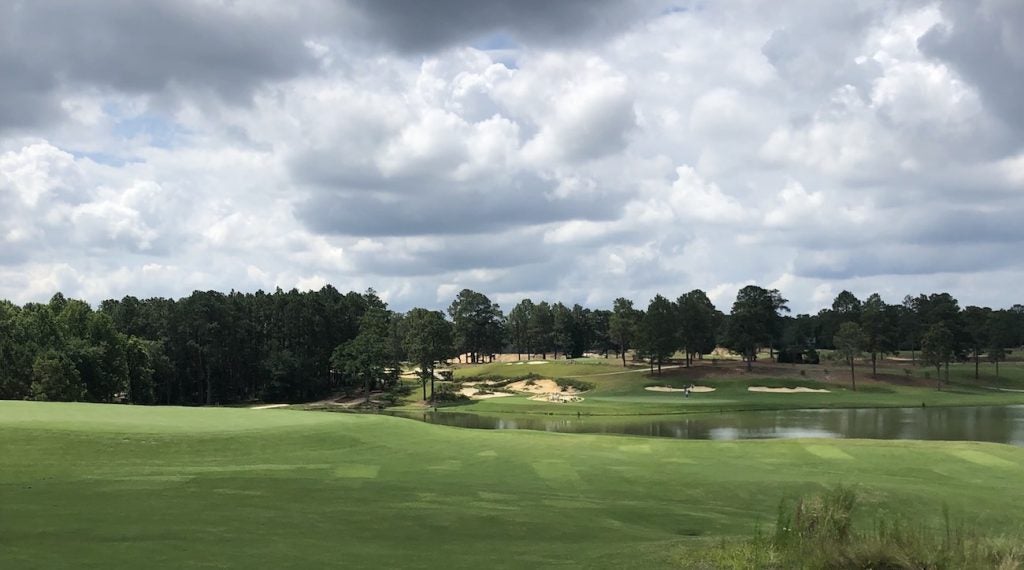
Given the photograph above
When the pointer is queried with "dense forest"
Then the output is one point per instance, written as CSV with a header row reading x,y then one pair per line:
x,y
216,348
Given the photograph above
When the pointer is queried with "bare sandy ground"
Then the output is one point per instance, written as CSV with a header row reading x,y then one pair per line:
x,y
695,389
471,392
269,407
557,397
536,387
798,389
546,391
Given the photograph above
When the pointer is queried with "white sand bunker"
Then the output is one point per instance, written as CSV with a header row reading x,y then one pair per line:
x,y
546,391
269,407
694,389
481,383
535,386
474,394
537,362
798,389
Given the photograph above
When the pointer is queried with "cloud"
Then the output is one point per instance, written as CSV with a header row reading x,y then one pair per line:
x,y
984,42
573,151
417,26
49,48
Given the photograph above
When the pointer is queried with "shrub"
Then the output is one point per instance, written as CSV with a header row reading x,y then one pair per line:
x,y
493,380
579,385
790,356
811,356
447,392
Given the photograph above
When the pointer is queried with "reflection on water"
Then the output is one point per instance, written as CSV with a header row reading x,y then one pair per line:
x,y
1001,424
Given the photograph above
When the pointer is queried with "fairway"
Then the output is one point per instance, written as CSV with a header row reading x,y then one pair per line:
x,y
99,486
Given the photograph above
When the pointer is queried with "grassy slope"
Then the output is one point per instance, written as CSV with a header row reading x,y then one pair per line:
x,y
619,393
117,486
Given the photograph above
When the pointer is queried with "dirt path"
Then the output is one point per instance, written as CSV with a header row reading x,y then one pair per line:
x,y
347,403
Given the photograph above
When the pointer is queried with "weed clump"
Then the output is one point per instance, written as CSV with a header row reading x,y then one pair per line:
x,y
818,532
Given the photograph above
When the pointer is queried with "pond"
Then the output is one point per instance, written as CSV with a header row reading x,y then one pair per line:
x,y
1000,424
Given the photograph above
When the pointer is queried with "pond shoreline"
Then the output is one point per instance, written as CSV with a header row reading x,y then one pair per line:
x,y
995,423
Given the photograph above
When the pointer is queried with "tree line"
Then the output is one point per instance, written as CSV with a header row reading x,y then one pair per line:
x,y
290,346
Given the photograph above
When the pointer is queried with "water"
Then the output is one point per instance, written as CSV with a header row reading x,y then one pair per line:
x,y
1000,424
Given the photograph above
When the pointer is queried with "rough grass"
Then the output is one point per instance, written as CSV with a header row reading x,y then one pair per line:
x,y
95,486
818,533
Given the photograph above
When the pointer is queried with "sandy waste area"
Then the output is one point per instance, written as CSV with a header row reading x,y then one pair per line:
x,y
797,390
695,389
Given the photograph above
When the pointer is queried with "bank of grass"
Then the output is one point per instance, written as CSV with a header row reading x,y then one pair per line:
x,y
101,486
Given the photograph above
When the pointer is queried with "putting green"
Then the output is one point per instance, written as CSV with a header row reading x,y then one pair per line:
x,y
95,486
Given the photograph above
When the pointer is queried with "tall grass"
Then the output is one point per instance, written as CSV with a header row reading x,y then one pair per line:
x,y
818,532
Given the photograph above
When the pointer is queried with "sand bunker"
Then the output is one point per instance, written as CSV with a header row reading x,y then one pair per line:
x,y
471,392
557,397
797,390
695,389
269,407
537,362
535,386
546,391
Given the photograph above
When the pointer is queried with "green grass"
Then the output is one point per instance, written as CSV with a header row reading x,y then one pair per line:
x,y
101,486
549,369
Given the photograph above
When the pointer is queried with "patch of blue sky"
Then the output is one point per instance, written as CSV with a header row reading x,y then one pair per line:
x,y
104,158
501,47
157,130
677,8
496,41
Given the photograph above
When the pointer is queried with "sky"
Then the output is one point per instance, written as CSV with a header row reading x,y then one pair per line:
x,y
572,151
